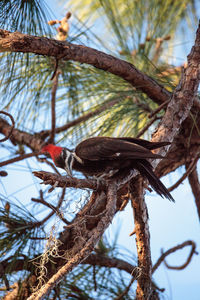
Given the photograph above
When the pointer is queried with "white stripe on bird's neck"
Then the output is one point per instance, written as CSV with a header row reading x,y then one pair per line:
x,y
77,158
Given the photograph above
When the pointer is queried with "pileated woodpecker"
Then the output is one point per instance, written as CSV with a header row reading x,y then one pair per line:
x,y
110,158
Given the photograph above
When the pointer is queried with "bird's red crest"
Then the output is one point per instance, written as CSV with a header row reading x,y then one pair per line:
x,y
53,150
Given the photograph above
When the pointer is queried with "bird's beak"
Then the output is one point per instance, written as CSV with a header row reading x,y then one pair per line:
x,y
68,170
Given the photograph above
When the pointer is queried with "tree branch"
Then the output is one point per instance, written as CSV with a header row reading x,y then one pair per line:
x,y
82,118
53,106
144,285
144,129
18,42
190,169
182,100
121,296
92,259
64,181
195,186
11,128
110,262
17,158
34,142
55,209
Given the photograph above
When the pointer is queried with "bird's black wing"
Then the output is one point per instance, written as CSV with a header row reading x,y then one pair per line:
x,y
144,143
101,148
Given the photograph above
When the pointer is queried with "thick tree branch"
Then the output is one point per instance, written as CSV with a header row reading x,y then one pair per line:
x,y
64,181
177,111
92,259
144,285
34,142
18,42
183,97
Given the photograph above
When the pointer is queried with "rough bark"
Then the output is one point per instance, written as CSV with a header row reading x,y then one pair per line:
x,y
144,284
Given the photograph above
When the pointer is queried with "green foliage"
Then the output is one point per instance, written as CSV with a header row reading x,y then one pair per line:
x,y
17,229
27,16
128,23
132,30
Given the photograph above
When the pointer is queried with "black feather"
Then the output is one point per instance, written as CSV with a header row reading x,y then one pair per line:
x,y
146,169
116,157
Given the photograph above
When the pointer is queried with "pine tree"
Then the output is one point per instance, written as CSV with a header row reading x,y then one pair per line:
x,y
57,88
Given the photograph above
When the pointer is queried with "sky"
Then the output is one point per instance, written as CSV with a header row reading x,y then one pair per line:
x,y
170,223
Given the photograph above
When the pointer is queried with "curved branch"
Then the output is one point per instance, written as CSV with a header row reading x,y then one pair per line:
x,y
11,128
55,209
174,249
110,262
18,42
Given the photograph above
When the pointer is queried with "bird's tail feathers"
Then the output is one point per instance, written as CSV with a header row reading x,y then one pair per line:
x,y
146,170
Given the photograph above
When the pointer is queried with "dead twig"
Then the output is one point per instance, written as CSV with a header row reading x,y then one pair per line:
x,y
82,118
121,296
55,209
172,250
153,113
55,70
64,181
44,159
195,186
53,106
190,169
17,158
141,132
